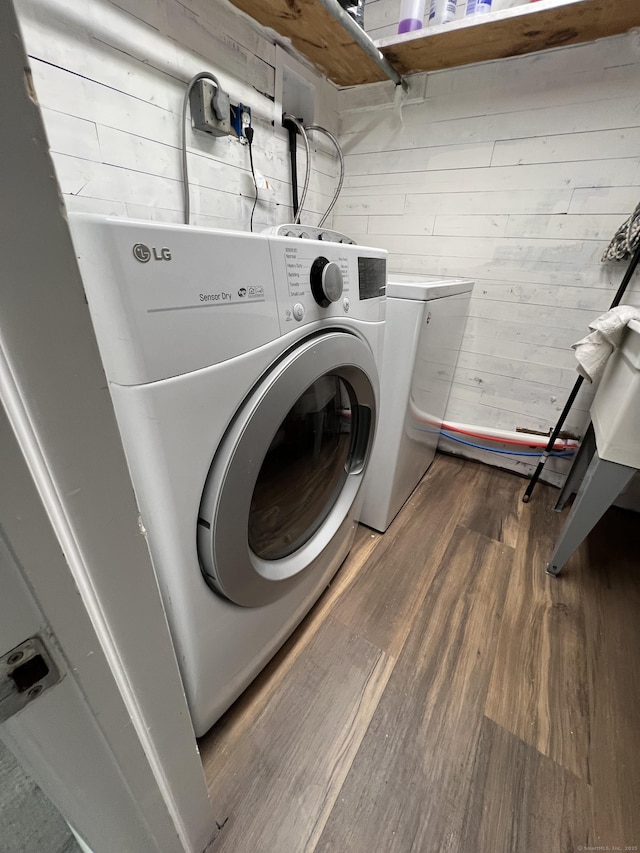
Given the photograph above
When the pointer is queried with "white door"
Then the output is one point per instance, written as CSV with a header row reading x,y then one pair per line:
x,y
62,712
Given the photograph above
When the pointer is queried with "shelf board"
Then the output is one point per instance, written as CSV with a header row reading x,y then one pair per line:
x,y
316,34
513,32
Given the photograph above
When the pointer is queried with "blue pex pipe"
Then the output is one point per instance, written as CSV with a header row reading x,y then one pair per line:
x,y
561,454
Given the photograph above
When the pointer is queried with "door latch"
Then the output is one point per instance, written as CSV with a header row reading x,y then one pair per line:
x,y
26,672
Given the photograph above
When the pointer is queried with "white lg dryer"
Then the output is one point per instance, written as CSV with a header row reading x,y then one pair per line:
x,y
244,373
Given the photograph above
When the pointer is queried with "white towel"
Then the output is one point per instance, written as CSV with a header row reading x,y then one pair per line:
x,y
593,351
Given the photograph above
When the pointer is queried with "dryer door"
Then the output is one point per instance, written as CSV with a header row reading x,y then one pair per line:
x,y
288,470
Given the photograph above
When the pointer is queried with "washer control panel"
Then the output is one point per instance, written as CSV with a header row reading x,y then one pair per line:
x,y
338,281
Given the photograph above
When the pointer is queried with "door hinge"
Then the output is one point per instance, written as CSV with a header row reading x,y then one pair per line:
x,y
26,672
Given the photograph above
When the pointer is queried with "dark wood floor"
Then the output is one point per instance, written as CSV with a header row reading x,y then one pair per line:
x,y
445,694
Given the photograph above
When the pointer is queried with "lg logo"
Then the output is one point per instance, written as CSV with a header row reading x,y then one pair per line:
x,y
144,254
141,253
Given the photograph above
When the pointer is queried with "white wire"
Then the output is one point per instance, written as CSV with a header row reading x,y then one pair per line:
x,y
328,133
303,133
202,75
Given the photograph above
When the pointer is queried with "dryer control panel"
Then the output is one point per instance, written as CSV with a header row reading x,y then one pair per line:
x,y
333,280
308,232
169,299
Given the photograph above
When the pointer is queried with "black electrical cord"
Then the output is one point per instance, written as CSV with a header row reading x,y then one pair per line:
x,y
292,130
248,132
300,128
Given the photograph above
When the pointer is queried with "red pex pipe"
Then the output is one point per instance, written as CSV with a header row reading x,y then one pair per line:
x,y
559,445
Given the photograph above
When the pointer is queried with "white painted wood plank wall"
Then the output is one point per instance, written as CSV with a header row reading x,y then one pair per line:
x,y
110,77
515,173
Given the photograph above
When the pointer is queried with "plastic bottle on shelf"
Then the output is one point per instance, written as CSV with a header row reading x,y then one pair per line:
x,y
442,12
411,15
478,7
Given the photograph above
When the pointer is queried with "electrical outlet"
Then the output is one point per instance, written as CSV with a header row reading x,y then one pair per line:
x,y
240,118
210,109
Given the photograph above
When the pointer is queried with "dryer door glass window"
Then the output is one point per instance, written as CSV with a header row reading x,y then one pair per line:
x,y
304,470
281,488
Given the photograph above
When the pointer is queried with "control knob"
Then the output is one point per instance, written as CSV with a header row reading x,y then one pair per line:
x,y
326,281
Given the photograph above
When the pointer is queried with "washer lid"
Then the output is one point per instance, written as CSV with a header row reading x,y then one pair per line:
x,y
424,287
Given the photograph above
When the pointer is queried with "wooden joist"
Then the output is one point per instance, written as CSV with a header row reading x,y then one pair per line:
x,y
318,36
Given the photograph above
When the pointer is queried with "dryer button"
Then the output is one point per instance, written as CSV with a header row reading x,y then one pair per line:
x,y
346,304
298,311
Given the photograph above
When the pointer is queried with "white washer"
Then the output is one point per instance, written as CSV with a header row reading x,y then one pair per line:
x,y
425,322
247,411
